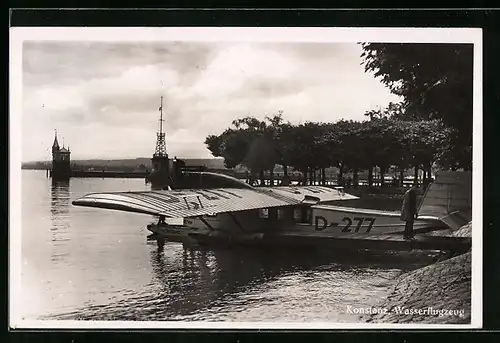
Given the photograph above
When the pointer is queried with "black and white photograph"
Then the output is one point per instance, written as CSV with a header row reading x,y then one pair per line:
x,y
294,178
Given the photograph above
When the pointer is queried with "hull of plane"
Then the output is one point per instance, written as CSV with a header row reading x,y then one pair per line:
x,y
321,221
338,220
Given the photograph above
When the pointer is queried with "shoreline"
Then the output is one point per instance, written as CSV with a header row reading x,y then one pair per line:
x,y
439,293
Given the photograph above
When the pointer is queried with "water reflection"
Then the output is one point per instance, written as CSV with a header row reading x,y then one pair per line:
x,y
198,284
59,209
185,288
209,279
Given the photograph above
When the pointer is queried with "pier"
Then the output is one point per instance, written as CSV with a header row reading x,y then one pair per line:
x,y
375,242
109,174
102,174
354,241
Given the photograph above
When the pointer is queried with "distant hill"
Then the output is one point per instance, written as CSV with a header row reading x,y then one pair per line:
x,y
144,163
211,163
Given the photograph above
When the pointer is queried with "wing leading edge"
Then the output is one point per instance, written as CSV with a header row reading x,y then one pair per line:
x,y
196,202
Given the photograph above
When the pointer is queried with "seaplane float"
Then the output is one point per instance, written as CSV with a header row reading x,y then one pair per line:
x,y
288,215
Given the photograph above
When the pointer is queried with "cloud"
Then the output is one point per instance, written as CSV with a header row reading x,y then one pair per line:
x,y
104,97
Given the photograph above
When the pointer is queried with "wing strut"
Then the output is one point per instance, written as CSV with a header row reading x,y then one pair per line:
x,y
237,222
206,223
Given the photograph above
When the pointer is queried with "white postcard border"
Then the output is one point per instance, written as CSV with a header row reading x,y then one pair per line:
x,y
237,34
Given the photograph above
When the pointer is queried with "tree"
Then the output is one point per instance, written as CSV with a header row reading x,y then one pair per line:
x,y
249,123
433,88
430,142
392,111
260,156
346,146
286,145
250,142
232,145
324,153
384,144
274,130
265,149
413,143
300,147
214,144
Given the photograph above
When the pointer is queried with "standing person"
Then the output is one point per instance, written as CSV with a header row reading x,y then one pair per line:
x,y
286,180
251,180
409,211
161,220
349,181
301,180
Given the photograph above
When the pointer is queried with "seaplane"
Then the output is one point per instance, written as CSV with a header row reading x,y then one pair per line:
x,y
209,208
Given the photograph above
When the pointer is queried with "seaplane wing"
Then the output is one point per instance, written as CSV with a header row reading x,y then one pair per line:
x,y
307,194
197,202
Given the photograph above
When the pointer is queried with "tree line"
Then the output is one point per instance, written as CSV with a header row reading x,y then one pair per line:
x,y
351,146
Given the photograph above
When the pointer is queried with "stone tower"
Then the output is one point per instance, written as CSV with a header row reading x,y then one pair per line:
x,y
61,161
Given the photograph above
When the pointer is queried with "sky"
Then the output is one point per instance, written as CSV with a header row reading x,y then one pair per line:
x,y
103,97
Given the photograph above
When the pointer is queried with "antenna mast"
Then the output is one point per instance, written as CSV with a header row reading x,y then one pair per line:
x,y
161,149
161,115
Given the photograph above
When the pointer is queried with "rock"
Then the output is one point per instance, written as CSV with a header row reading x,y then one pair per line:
x,y
436,294
464,231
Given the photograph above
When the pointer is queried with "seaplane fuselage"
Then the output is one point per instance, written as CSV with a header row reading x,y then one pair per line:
x,y
327,220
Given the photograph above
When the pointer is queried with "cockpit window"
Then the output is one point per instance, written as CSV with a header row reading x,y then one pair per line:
x,y
302,214
263,213
282,213
297,214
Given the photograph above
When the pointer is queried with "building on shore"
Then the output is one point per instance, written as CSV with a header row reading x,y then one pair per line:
x,y
61,161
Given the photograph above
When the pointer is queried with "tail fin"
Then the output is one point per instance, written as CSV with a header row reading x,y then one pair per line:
x,y
455,220
449,198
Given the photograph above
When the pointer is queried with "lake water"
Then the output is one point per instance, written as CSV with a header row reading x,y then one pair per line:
x,y
94,264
